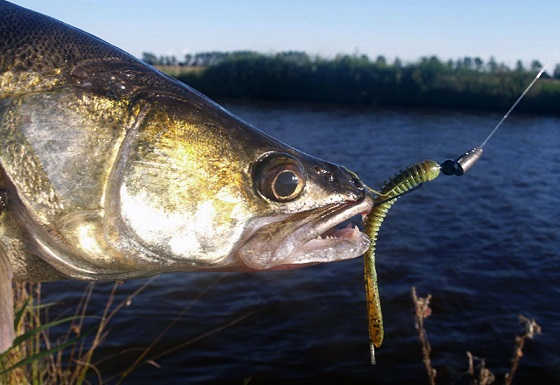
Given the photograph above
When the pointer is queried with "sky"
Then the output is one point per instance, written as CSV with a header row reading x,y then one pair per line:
x,y
507,30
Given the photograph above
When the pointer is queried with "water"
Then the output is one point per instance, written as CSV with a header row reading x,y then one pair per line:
x,y
485,245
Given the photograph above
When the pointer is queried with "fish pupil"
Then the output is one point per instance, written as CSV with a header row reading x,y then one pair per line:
x,y
286,184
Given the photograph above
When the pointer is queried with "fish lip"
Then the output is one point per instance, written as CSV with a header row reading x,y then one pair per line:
x,y
316,225
283,241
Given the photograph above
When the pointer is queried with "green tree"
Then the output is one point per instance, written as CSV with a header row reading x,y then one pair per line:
x,y
298,57
149,58
468,62
502,67
556,73
188,59
381,61
492,65
536,65
478,63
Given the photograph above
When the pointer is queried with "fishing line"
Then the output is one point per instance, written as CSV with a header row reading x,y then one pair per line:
x,y
405,182
511,108
462,164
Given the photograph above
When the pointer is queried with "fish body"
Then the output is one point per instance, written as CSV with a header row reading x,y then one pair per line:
x,y
113,170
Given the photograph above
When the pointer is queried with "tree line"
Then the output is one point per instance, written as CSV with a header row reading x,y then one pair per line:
x,y
200,59
468,82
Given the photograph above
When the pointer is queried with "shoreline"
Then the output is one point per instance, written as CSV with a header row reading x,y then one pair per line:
x,y
357,81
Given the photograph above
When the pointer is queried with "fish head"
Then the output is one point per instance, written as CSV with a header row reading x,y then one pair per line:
x,y
197,188
308,201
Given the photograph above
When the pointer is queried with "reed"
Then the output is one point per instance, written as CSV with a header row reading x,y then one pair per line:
x,y
422,311
477,371
36,358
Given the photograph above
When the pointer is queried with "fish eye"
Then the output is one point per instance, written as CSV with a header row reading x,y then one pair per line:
x,y
285,183
280,177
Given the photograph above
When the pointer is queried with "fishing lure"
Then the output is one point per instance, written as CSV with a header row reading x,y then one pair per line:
x,y
406,180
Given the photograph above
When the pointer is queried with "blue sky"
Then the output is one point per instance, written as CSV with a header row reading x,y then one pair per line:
x,y
508,30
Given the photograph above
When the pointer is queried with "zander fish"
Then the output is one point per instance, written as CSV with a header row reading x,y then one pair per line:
x,y
110,169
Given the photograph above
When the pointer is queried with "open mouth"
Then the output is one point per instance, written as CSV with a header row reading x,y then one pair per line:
x,y
325,234
349,231
331,236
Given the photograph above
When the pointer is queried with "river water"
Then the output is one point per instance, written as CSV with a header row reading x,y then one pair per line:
x,y
486,246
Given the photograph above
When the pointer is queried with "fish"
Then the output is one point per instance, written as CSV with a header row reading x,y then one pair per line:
x,y
110,170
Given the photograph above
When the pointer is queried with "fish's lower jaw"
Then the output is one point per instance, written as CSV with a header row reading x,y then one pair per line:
x,y
345,244
338,245
298,240
324,242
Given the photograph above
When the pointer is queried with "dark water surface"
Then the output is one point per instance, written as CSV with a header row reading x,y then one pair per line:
x,y
486,246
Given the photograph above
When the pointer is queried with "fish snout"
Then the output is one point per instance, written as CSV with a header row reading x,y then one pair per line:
x,y
351,182
340,181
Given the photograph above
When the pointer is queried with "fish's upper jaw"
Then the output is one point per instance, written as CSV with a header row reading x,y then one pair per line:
x,y
308,238
322,241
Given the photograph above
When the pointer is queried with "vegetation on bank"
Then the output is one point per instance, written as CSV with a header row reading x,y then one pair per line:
x,y
36,358
477,372
356,79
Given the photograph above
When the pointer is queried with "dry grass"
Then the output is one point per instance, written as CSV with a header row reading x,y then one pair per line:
x,y
36,359
531,328
422,311
39,360
477,370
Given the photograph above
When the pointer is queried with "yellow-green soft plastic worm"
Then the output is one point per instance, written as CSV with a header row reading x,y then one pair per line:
x,y
406,180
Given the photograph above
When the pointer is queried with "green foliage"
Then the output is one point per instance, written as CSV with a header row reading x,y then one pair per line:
x,y
39,354
355,79
149,58
556,73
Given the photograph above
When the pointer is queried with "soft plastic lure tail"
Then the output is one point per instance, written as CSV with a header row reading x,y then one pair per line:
x,y
406,180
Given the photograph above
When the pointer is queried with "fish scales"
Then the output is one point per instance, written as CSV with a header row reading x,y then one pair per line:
x,y
110,169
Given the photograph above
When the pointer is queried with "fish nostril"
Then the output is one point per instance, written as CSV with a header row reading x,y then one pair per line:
x,y
354,180
342,176
328,175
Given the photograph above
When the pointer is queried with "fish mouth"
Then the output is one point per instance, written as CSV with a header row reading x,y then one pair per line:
x,y
320,235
